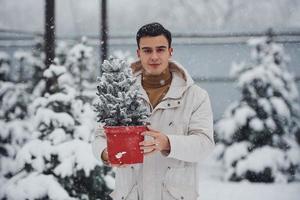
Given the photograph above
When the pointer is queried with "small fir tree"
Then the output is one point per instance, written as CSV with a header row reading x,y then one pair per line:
x,y
257,134
119,101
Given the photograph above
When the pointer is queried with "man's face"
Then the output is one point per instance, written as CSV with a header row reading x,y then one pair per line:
x,y
154,53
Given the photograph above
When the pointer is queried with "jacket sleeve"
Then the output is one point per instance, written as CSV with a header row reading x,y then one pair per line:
x,y
99,143
199,142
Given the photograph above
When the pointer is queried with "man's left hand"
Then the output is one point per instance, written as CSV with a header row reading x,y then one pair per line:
x,y
160,142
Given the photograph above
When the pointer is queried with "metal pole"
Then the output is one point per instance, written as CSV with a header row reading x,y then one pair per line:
x,y
49,36
104,30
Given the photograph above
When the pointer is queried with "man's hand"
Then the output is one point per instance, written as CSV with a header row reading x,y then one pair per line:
x,y
104,157
160,142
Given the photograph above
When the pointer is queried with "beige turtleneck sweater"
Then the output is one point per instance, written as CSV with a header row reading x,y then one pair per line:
x,y
156,86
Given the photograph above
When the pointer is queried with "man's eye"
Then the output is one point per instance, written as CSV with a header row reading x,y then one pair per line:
x,y
160,50
147,51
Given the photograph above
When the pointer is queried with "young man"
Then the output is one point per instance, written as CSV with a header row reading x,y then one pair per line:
x,y
181,131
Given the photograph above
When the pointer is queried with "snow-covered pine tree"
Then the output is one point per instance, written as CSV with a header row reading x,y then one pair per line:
x,y
123,55
15,129
14,96
13,135
119,101
37,63
257,134
82,66
5,65
30,68
58,162
14,100
61,52
22,70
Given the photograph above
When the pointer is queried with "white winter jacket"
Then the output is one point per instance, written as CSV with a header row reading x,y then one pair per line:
x,y
185,116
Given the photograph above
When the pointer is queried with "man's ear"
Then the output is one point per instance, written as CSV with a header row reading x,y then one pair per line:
x,y
171,51
138,53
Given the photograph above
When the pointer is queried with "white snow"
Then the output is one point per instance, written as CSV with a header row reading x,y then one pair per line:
x,y
110,181
280,107
34,152
270,124
57,136
124,55
243,113
62,98
54,70
235,152
211,186
227,127
265,157
47,116
162,82
265,104
35,186
256,124
74,155
82,132
218,190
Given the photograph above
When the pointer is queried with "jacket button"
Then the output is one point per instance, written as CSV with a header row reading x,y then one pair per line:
x,y
181,197
123,198
169,104
169,167
178,102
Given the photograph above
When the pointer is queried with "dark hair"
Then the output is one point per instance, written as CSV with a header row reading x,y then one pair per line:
x,y
152,30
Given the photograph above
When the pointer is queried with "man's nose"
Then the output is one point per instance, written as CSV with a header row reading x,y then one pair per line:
x,y
154,55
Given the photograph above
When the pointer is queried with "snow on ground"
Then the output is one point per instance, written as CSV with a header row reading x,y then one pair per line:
x,y
216,190
211,187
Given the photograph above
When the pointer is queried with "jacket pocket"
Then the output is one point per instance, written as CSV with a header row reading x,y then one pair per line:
x,y
179,183
124,194
173,193
126,184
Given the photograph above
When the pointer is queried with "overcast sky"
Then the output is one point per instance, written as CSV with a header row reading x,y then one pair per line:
x,y
81,17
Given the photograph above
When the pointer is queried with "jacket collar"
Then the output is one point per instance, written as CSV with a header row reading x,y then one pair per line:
x,y
181,80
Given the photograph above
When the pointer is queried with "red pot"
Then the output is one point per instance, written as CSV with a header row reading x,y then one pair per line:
x,y
123,144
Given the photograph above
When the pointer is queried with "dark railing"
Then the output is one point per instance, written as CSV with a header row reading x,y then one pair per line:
x,y
26,38
212,35
223,79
